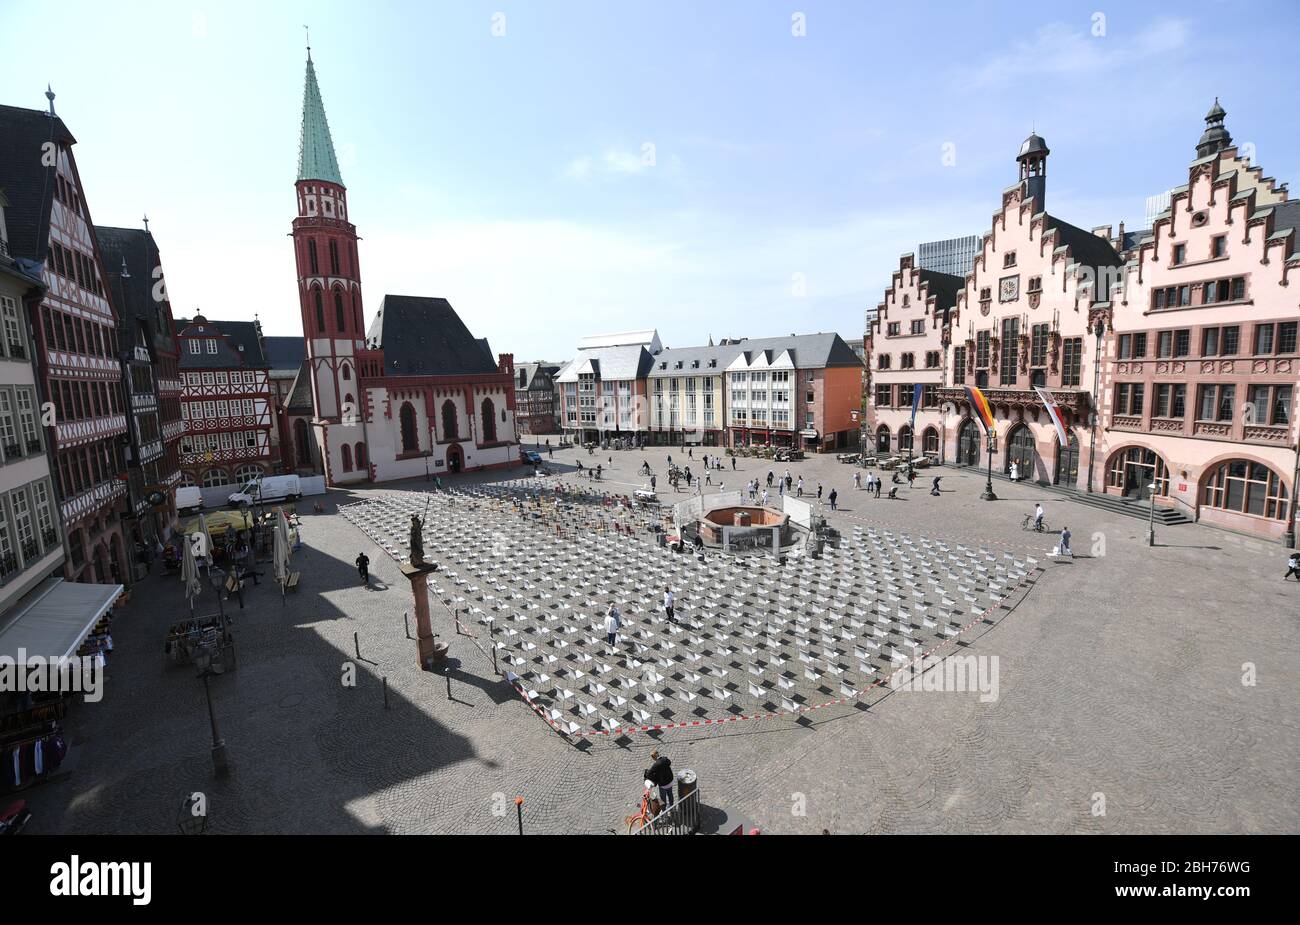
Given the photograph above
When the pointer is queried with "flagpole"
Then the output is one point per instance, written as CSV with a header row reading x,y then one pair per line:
x,y
988,484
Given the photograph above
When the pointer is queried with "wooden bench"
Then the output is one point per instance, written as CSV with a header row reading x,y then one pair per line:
x,y
291,583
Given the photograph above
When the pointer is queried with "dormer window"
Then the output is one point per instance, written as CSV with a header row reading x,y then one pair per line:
x,y
1218,245
1009,259
1180,254
212,346
986,294
1035,283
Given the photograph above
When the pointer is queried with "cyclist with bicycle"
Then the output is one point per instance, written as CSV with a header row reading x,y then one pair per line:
x,y
1038,516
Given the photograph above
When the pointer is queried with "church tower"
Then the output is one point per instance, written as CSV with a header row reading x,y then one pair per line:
x,y
329,275
1033,169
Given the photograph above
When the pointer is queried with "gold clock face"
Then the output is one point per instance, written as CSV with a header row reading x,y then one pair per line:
x,y
1009,289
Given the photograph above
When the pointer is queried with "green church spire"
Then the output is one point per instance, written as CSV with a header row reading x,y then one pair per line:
x,y
316,160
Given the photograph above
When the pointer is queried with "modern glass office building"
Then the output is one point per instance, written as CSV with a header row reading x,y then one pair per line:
x,y
953,255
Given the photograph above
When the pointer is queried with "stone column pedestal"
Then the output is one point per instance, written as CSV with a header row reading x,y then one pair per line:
x,y
427,649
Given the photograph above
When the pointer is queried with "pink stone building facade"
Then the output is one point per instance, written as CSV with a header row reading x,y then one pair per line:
x,y
1172,352
1201,362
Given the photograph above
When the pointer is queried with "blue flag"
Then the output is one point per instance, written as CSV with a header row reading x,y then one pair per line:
x,y
916,403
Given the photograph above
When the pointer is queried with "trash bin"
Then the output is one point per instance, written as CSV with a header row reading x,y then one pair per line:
x,y
688,800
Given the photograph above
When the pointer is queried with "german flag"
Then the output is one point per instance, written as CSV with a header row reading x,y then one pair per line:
x,y
983,410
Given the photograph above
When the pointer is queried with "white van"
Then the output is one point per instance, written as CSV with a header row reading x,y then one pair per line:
x,y
268,488
189,499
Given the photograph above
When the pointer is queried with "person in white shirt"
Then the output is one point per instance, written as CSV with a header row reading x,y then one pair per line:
x,y
670,601
613,620
1038,517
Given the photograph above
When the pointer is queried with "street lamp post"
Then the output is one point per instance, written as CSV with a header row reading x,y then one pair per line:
x,y
220,760
1151,522
988,483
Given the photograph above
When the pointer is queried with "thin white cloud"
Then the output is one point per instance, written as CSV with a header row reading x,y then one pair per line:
x,y
617,162
1064,49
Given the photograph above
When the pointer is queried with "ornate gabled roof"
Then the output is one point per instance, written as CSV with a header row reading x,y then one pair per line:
x,y
316,160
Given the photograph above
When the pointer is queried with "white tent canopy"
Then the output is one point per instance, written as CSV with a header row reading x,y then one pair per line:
x,y
54,619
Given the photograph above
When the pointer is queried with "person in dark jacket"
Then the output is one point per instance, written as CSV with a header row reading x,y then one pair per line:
x,y
363,568
661,775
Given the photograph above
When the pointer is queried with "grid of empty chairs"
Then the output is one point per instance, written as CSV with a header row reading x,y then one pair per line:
x,y
537,565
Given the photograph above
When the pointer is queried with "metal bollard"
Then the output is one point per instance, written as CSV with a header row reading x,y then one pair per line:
x,y
519,811
385,692
406,621
356,644
447,673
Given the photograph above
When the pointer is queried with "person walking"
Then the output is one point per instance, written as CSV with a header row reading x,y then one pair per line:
x,y
769,478
733,464
670,602
613,620
800,487
708,477
857,480
690,454
688,475
764,497
1015,471
654,481
1292,566
670,459
871,482
831,497
911,477
934,486
879,482
660,773
819,492
1065,543
780,488
363,568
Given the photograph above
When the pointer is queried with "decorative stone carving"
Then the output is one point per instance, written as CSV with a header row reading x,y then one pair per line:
x,y
1034,299
1265,434
1179,367
1227,366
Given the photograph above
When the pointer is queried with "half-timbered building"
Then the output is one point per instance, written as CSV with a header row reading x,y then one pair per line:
x,y
225,402
151,380
75,328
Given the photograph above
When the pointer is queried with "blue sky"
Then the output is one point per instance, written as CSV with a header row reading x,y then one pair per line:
x,y
512,174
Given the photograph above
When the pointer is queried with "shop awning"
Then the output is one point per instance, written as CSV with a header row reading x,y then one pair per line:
x,y
53,620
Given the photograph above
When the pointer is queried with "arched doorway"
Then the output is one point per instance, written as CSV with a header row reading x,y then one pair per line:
x,y
968,443
882,439
455,459
1067,462
1020,450
302,442
1133,468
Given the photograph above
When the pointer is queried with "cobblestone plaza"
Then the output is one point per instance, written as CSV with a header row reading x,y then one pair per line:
x,y
1140,689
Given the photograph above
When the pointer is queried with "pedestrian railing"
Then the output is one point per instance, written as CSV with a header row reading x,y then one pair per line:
x,y
682,818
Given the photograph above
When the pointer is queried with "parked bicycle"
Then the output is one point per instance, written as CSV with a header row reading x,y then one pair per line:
x,y
650,808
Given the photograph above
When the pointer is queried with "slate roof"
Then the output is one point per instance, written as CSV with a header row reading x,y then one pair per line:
x,y
808,351
943,286
299,400
285,354
27,185
1085,247
423,336
238,334
133,295
609,363
1287,215
534,375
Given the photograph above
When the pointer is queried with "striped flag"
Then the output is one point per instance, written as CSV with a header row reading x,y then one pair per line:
x,y
983,410
1049,402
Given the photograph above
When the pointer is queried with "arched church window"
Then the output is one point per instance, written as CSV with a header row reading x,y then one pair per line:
x,y
410,435
450,431
489,421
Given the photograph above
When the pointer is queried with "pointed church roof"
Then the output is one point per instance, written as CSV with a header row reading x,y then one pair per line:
x,y
316,160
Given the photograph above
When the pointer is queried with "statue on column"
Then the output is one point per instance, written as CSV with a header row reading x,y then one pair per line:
x,y
417,540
